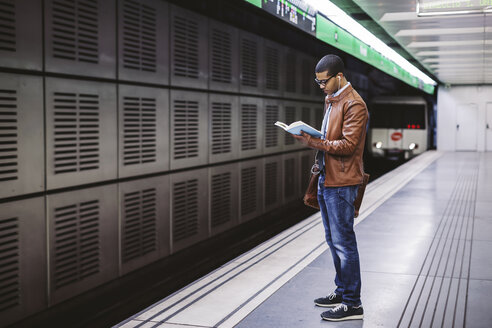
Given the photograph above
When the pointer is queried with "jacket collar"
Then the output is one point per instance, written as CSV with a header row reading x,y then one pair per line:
x,y
340,94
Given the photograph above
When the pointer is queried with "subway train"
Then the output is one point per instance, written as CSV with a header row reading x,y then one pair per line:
x,y
398,127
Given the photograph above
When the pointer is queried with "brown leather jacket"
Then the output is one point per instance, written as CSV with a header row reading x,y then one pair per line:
x,y
345,138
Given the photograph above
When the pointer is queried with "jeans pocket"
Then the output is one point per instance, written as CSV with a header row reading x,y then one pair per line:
x,y
348,194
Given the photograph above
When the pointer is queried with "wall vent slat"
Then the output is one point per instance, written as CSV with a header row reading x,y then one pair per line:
x,y
221,201
139,235
77,249
9,135
221,128
248,190
185,209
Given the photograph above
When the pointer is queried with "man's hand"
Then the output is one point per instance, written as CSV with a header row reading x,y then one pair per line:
x,y
303,138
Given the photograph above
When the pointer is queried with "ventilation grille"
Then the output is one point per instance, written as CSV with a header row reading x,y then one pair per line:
x,y
306,115
185,129
7,25
75,30
139,131
221,199
289,177
248,190
186,51
185,209
249,119
271,131
8,135
139,36
77,251
221,128
221,56
249,60
290,117
9,264
272,68
305,168
139,225
271,183
76,131
290,72
306,77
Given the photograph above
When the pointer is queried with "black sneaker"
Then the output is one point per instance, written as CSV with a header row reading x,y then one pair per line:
x,y
331,300
343,312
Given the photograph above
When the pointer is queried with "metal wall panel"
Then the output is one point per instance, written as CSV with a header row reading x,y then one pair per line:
x,y
83,240
290,173
143,41
143,130
307,76
21,135
189,129
80,37
316,93
251,63
274,73
273,140
223,57
272,182
223,128
144,222
189,208
291,114
20,34
189,52
223,197
251,126
292,69
81,143
23,253
250,189
306,161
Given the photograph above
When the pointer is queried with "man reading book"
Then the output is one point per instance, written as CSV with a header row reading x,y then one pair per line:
x,y
340,159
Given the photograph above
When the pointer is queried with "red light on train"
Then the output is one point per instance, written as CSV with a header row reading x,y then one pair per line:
x,y
408,126
418,126
413,126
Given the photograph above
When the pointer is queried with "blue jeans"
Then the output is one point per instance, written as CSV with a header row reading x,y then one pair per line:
x,y
337,212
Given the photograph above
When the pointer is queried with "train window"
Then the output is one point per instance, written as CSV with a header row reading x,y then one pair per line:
x,y
397,116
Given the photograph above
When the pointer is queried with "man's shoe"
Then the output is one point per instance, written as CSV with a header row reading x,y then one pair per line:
x,y
331,300
343,312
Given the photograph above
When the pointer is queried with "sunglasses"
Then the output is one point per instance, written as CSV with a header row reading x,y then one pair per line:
x,y
324,82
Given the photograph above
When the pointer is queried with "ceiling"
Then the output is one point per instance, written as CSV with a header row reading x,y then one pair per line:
x,y
457,49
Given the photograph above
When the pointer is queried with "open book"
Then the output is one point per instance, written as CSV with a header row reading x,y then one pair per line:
x,y
297,127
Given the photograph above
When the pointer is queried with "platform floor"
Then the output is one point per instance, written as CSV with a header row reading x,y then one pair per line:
x,y
425,242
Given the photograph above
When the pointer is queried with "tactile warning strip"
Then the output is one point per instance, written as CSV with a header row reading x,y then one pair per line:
x,y
439,294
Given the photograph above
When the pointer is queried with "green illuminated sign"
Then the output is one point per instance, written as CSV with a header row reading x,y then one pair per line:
x,y
334,35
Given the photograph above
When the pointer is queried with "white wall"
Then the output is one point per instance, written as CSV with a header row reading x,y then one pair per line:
x,y
448,99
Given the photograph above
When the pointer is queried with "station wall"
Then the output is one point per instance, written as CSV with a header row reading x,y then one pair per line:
x,y
464,118
130,130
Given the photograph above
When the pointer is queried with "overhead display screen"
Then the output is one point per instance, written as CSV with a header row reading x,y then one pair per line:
x,y
452,7
296,12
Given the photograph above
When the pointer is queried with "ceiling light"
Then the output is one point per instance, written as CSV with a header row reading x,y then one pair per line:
x,y
412,15
443,31
431,44
346,22
453,60
452,52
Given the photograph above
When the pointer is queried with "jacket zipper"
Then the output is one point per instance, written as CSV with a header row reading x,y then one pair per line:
x,y
342,164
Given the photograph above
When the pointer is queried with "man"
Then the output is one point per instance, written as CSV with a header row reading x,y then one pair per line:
x,y
340,158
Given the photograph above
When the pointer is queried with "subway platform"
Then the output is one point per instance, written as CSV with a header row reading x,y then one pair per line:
x,y
424,236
